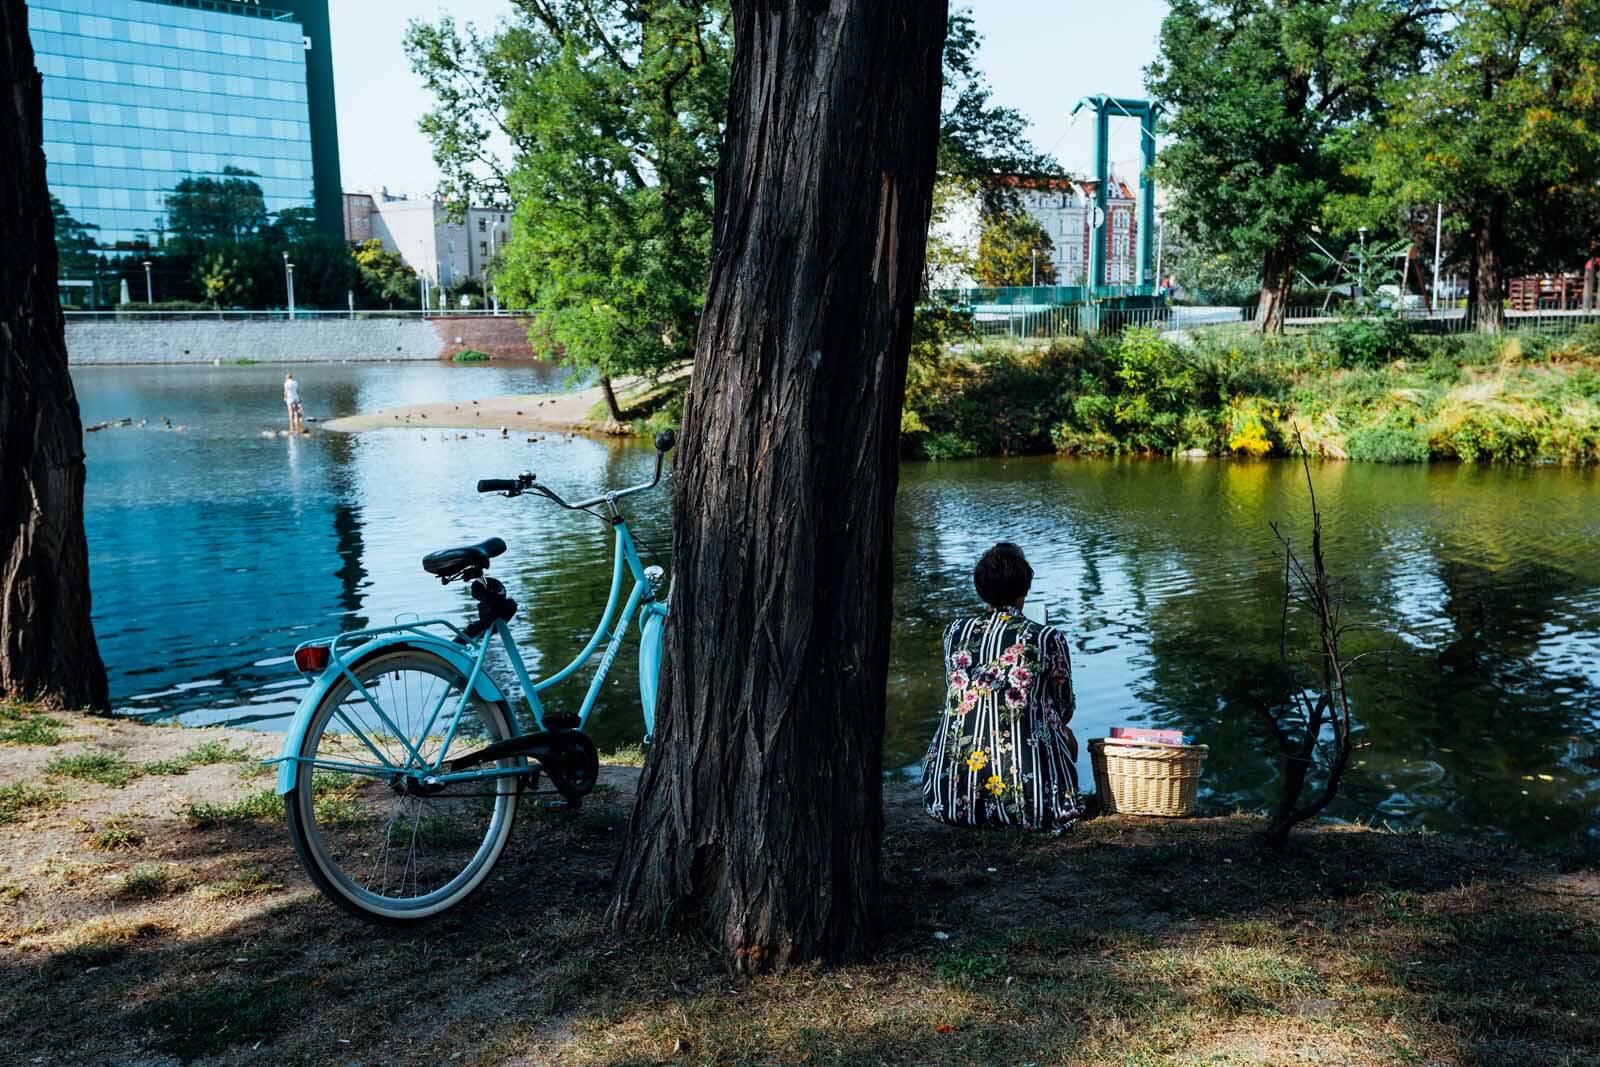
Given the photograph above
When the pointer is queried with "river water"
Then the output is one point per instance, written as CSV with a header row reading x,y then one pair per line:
x,y
216,548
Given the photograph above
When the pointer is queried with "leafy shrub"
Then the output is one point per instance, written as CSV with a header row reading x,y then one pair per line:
x,y
1156,387
1485,434
1388,443
996,402
1370,341
1584,342
470,355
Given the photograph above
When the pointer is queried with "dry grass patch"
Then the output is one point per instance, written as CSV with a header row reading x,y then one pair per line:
x,y
150,880
21,798
247,881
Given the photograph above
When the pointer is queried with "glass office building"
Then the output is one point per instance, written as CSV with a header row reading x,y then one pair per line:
x,y
141,94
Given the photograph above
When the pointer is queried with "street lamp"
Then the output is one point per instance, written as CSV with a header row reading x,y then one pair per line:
x,y
288,282
149,291
1361,279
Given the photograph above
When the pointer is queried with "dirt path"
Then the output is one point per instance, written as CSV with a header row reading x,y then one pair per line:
x,y
153,913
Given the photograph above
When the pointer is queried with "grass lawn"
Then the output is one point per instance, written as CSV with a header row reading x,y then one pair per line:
x,y
132,931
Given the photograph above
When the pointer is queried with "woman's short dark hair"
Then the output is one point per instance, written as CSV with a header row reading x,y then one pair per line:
x,y
1002,575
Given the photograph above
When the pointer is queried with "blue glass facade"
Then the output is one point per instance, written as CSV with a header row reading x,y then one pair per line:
x,y
140,94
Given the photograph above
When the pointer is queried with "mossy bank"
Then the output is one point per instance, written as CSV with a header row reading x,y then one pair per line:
x,y
1362,390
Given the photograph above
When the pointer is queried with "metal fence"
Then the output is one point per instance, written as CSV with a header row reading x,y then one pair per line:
x,y
1045,321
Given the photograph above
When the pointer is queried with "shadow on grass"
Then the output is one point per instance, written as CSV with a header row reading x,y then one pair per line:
x,y
1127,942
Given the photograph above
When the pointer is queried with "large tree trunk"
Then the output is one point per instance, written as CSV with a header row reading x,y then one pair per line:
x,y
1487,307
47,647
1277,278
760,808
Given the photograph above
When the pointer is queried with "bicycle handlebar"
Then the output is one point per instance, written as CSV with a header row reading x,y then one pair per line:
x,y
525,482
499,485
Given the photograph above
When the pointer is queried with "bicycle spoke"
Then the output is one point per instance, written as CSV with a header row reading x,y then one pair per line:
x,y
383,837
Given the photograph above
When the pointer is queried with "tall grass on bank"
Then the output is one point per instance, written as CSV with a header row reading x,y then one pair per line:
x,y
1357,390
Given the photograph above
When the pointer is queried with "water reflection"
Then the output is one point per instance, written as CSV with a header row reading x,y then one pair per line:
x,y
216,549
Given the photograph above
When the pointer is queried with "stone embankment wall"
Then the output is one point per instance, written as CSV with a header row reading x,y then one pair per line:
x,y
200,340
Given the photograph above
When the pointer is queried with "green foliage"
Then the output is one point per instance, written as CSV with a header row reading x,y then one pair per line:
x,y
1370,341
470,355
977,138
997,402
1259,101
1013,249
325,272
1388,443
385,280
1504,129
106,768
21,724
203,754
223,277
614,113
262,804
1238,392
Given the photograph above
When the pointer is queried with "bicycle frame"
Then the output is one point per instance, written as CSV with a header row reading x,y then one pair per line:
x,y
469,654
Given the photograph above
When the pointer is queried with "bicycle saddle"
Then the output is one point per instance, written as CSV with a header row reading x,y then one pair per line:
x,y
452,562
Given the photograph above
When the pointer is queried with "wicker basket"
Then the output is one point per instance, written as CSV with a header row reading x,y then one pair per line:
x,y
1146,777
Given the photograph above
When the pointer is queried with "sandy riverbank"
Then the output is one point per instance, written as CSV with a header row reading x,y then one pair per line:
x,y
556,412
553,412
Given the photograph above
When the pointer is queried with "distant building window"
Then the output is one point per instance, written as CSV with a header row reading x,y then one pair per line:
x,y
483,224
483,248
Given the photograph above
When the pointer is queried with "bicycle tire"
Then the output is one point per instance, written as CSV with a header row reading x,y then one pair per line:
x,y
311,840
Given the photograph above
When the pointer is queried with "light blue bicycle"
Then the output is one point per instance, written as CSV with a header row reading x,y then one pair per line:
x,y
402,768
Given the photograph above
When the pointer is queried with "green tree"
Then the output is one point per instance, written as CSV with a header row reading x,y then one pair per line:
x,y
1260,101
1505,131
385,278
222,276
979,139
613,112
325,271
1013,249
230,208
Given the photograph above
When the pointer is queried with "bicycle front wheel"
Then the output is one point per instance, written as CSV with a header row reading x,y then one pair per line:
x,y
373,839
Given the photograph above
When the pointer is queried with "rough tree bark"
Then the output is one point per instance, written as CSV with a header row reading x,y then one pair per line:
x,y
47,646
1277,278
1488,281
760,808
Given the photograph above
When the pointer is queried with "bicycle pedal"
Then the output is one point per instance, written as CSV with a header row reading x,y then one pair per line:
x,y
563,805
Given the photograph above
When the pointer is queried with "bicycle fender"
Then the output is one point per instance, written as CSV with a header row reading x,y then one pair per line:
x,y
652,634
294,737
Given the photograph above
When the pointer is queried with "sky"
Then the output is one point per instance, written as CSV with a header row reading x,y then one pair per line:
x,y
1040,56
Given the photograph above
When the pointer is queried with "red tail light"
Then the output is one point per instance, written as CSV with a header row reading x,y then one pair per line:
x,y
311,658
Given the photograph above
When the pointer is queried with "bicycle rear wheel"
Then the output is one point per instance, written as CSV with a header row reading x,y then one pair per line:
x,y
377,842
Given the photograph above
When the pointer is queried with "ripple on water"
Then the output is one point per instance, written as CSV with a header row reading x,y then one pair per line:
x,y
216,551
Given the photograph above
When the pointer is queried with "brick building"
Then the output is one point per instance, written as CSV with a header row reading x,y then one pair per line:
x,y
1064,209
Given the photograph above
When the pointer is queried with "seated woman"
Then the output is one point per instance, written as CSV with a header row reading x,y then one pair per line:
x,y
1002,754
